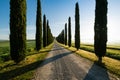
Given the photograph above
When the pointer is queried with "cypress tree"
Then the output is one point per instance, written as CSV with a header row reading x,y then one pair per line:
x,y
65,33
60,37
100,28
44,32
51,37
38,26
17,29
48,34
77,27
69,31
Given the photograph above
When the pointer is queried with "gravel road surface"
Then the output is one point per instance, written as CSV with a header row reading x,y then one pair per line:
x,y
62,64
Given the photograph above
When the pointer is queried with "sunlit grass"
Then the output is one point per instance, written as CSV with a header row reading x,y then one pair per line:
x,y
111,64
25,69
5,49
112,51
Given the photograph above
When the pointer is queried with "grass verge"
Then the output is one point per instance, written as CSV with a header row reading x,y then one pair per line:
x,y
112,51
25,69
112,65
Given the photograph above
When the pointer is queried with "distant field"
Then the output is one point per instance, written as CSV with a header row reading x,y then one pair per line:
x,y
113,50
6,43
5,49
24,70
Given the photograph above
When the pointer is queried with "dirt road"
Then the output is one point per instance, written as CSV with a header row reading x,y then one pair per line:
x,y
62,64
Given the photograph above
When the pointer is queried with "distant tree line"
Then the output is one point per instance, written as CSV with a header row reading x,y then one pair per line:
x,y
100,29
47,35
50,37
43,32
61,37
18,30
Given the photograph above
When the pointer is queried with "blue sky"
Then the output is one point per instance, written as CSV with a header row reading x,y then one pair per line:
x,y
58,11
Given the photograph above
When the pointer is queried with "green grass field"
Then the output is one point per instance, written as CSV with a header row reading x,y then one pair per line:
x,y
26,68
113,51
5,49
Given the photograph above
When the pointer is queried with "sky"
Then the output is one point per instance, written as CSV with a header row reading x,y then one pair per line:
x,y
58,11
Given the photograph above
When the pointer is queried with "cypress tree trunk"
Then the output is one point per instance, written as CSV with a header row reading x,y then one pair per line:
x,y
65,33
38,26
100,28
17,29
69,32
44,32
77,27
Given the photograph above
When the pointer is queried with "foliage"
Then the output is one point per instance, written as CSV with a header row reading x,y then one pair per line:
x,y
4,57
111,51
17,29
5,50
100,28
69,32
38,27
77,27
65,33
4,54
60,37
25,69
49,34
44,31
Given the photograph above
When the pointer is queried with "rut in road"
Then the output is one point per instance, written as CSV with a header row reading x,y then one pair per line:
x,y
62,64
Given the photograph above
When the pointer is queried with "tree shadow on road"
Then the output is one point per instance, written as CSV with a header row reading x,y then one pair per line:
x,y
55,49
55,57
8,75
97,73
43,51
21,70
